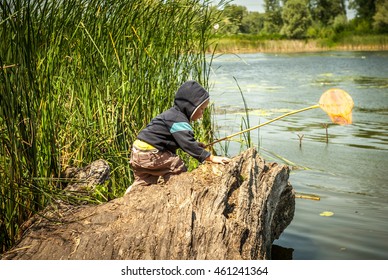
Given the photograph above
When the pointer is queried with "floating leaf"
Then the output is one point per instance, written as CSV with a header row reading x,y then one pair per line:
x,y
326,214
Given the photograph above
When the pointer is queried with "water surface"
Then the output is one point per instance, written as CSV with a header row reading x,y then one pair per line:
x,y
349,173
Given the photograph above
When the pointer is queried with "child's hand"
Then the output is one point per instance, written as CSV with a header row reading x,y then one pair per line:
x,y
202,145
217,159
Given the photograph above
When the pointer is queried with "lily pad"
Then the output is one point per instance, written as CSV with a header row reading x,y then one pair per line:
x,y
326,214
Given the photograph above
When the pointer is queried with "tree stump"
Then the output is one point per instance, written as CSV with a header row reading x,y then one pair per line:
x,y
219,212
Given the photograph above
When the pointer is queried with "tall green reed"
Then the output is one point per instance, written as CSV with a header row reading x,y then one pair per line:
x,y
78,80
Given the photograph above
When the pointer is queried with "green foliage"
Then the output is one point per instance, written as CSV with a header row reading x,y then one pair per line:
x,y
340,23
252,23
361,26
325,11
78,80
321,19
296,18
365,8
233,19
380,18
273,16
316,31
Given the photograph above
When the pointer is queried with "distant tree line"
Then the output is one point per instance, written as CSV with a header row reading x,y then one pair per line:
x,y
301,19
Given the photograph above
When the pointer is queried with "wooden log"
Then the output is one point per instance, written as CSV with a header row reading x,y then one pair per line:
x,y
234,211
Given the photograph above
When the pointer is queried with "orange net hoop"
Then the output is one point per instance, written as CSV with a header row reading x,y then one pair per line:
x,y
338,104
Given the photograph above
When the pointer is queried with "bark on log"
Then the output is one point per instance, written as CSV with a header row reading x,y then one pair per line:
x,y
234,211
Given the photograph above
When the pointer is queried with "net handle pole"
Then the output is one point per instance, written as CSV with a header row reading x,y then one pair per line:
x,y
265,123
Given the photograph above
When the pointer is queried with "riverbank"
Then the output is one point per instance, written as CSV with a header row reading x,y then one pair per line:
x,y
250,44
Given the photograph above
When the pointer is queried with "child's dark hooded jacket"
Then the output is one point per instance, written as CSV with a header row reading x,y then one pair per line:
x,y
171,129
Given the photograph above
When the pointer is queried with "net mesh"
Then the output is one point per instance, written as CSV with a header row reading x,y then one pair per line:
x,y
338,104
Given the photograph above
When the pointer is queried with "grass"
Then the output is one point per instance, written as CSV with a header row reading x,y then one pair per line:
x,y
78,80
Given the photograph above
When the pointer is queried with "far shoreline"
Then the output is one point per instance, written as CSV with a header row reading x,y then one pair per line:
x,y
234,45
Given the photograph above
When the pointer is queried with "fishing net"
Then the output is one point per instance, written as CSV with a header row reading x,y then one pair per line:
x,y
338,104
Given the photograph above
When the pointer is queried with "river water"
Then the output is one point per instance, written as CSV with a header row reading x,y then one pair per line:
x,y
349,172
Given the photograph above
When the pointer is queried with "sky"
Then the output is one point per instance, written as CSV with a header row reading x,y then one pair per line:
x,y
252,5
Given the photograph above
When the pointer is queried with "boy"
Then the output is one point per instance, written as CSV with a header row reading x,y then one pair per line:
x,y
154,151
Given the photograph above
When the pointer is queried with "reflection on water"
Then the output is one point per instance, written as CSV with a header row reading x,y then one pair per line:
x,y
382,111
370,82
362,81
348,173
281,253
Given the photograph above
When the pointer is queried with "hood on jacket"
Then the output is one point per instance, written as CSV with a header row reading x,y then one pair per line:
x,y
189,97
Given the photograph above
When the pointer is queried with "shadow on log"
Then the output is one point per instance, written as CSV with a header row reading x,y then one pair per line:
x,y
219,212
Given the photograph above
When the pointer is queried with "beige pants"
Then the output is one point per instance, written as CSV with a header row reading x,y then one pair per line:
x,y
148,166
